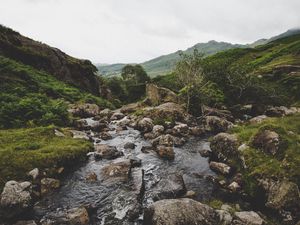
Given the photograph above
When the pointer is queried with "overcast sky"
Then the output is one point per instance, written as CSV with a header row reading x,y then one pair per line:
x,y
111,31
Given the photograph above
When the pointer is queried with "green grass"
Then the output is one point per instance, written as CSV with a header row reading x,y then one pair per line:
x,y
22,150
284,165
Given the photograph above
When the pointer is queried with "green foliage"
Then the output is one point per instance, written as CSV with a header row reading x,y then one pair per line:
x,y
31,97
22,150
135,74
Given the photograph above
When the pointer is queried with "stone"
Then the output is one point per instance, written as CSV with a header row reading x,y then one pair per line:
x,y
123,122
105,113
166,140
58,133
221,168
197,131
34,173
129,145
181,130
135,162
79,134
157,95
84,110
283,195
25,222
117,171
91,177
205,153
48,185
190,194
224,146
16,198
77,216
234,187
258,119
224,217
145,125
158,130
276,111
165,152
105,136
267,140
216,124
180,212
104,151
171,186
247,217
117,116
221,113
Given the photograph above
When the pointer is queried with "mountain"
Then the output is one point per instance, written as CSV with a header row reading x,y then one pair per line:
x,y
77,72
164,64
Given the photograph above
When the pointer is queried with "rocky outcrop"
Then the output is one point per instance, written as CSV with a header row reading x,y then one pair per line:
x,y
103,151
79,73
268,141
224,146
158,95
180,212
15,199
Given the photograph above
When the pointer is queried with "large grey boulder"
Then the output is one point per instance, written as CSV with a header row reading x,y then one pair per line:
x,y
145,125
180,212
117,171
268,141
15,199
247,218
104,151
221,168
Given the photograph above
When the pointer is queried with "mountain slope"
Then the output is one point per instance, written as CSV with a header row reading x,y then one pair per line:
x,y
79,73
164,64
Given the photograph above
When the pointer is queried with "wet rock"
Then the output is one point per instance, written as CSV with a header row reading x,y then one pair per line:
x,y
123,122
105,136
180,212
224,217
48,185
181,130
25,222
221,168
104,151
138,183
224,145
145,125
135,162
84,110
34,173
196,131
247,217
268,141
129,145
117,116
283,195
149,136
234,187
166,140
179,141
216,124
117,171
157,95
165,152
205,153
258,119
147,149
171,186
15,199
91,177
79,134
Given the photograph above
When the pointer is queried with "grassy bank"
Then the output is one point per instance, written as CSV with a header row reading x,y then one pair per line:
x,y
285,164
21,150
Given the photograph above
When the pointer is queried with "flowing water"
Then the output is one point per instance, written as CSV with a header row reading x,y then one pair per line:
x,y
112,201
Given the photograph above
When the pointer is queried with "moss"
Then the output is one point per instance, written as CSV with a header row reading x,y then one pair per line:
x,y
215,203
22,150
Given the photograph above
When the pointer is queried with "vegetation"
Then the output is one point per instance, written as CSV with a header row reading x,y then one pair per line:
x,y
22,150
30,97
285,164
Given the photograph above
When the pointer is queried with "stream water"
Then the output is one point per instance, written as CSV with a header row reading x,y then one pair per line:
x,y
111,201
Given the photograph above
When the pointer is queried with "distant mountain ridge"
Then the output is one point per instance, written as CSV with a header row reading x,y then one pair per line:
x,y
165,63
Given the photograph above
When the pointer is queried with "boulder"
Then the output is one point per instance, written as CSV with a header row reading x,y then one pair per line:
x,y
166,140
91,177
267,140
216,124
224,217
129,145
117,116
34,173
104,151
181,130
123,122
48,185
165,152
58,133
77,216
105,136
84,110
221,113
258,119
79,134
205,153
197,131
277,111
221,168
15,199
158,130
283,195
224,145
180,212
157,95
105,113
234,187
247,217
117,171
171,186
145,125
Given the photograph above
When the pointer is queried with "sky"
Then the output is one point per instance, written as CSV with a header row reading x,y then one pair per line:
x,y
133,31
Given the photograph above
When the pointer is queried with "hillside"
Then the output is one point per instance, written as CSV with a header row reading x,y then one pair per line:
x,y
164,64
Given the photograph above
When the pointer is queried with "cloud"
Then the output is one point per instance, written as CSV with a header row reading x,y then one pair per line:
x,y
109,31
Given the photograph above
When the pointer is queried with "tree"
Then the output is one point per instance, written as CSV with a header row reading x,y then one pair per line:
x,y
189,73
135,74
